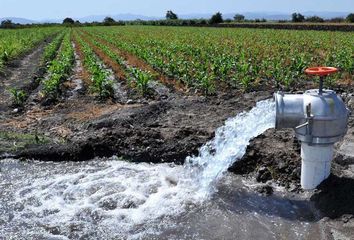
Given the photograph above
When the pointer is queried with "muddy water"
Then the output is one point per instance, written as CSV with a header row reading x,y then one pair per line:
x,y
114,199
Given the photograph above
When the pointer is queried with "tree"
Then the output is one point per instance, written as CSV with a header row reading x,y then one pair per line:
x,y
337,20
7,24
239,18
171,15
68,21
298,17
216,18
203,22
350,18
260,20
108,21
314,19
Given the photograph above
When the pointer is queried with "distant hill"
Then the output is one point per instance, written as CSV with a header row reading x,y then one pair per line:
x,y
129,17
126,17
18,20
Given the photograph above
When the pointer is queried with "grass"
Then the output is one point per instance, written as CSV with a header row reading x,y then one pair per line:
x,y
10,141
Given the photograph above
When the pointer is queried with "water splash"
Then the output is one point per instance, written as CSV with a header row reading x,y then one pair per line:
x,y
117,199
229,144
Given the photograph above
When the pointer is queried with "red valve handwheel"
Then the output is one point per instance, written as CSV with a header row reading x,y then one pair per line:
x,y
321,71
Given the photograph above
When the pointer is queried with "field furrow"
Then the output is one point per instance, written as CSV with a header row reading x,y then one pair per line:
x,y
135,61
25,73
208,59
100,82
142,79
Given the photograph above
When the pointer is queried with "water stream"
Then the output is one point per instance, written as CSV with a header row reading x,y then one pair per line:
x,y
114,199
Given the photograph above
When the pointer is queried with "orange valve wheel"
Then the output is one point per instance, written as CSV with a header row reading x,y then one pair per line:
x,y
321,71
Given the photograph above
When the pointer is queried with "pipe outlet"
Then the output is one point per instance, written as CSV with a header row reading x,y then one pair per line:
x,y
289,110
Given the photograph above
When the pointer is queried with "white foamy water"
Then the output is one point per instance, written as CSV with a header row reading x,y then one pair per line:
x,y
229,144
117,199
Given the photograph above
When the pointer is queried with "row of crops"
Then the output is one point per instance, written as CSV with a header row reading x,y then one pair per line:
x,y
60,67
205,59
135,77
101,84
243,58
16,42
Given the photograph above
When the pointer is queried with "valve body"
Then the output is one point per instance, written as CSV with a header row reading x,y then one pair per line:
x,y
320,119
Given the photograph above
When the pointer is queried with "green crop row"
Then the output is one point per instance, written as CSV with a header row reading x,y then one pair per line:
x,y
242,58
59,69
51,49
16,42
136,77
101,84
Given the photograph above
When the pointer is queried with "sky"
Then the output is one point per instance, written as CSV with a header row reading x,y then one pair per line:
x,y
52,9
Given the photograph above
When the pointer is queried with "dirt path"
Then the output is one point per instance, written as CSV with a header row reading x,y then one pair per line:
x,y
78,83
20,74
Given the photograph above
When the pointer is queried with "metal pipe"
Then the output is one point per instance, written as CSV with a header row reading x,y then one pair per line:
x,y
319,118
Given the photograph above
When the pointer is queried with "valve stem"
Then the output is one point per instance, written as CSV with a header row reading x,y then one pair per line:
x,y
321,85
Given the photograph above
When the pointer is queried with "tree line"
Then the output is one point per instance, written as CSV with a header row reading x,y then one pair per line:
x,y
172,19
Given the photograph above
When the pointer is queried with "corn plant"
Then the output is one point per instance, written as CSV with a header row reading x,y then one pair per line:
x,y
206,83
142,79
99,76
51,50
16,42
101,84
274,55
59,69
5,56
19,97
136,77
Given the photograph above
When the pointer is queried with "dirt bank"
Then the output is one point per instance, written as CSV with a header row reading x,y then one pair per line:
x,y
155,131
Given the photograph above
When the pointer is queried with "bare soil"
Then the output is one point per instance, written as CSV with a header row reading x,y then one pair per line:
x,y
21,73
155,131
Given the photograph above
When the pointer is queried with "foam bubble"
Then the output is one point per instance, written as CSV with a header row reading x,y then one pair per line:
x,y
117,199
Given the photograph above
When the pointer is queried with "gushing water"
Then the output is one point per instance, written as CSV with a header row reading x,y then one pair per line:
x,y
229,144
117,199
